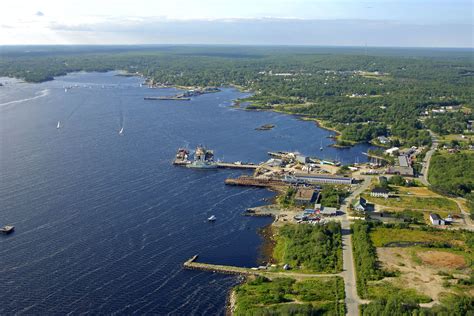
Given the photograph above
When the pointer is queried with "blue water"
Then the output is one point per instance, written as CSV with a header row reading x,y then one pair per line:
x,y
104,222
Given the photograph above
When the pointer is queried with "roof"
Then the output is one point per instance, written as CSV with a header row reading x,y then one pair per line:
x,y
328,210
403,161
391,150
435,216
304,194
380,190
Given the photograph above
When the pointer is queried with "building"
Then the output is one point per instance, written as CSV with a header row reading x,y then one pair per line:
x,y
305,196
318,179
302,159
379,192
360,205
403,171
436,220
383,140
403,161
392,151
328,211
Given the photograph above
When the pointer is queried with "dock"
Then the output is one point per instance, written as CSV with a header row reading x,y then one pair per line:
x,y
222,165
191,264
266,271
255,182
231,165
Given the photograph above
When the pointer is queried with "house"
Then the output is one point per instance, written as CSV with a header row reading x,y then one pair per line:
x,y
392,151
305,196
379,192
360,205
383,140
436,220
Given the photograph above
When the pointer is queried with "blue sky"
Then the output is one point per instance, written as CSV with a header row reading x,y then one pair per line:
x,y
425,23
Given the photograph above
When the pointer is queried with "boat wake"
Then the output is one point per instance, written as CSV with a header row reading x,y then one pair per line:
x,y
38,95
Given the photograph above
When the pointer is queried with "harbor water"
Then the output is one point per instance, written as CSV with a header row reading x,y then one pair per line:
x,y
103,221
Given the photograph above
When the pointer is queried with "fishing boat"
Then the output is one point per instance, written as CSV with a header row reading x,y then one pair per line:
x,y
121,131
7,229
212,218
59,125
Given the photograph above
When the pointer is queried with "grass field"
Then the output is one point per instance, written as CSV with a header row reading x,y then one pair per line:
x,y
286,296
382,236
427,204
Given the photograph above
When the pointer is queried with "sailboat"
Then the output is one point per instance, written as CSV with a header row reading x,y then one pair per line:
x,y
121,131
321,148
59,125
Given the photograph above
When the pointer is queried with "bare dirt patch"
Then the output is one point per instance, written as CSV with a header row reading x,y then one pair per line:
x,y
440,259
421,277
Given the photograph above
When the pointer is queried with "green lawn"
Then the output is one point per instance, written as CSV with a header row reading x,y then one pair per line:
x,y
382,236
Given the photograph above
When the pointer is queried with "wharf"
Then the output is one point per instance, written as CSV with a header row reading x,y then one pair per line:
x,y
167,98
223,165
255,182
191,264
235,166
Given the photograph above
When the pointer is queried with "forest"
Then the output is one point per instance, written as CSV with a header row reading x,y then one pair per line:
x,y
361,95
453,174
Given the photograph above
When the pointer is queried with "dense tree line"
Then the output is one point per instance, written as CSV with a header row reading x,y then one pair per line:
x,y
311,247
453,174
365,257
382,94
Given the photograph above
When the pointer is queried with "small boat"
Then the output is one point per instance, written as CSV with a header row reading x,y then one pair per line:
x,y
212,218
321,148
59,125
121,131
7,229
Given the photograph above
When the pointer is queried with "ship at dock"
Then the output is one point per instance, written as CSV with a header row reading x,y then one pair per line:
x,y
203,159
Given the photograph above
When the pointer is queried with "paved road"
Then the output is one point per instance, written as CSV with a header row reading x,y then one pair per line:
x,y
352,298
426,161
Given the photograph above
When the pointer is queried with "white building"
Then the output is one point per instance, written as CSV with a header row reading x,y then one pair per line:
x,y
392,151
436,220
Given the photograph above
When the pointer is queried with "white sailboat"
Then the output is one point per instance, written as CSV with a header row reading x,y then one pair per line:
x,y
121,131
59,125
321,148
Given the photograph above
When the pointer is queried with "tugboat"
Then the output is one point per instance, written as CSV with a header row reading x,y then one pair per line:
x,y
212,218
7,229
203,159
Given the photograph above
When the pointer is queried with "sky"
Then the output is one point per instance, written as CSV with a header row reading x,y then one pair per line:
x,y
393,23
